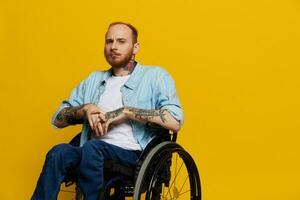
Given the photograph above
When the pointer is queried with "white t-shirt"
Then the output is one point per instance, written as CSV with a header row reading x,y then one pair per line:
x,y
120,135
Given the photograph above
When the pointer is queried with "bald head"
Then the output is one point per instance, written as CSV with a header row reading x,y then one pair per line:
x,y
134,32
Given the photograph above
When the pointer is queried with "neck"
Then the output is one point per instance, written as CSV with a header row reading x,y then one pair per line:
x,y
127,69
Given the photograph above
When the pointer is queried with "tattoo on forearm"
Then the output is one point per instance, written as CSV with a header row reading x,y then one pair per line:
x,y
143,114
69,115
114,114
149,114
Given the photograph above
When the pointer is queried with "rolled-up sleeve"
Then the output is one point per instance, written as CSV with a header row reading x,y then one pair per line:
x,y
76,99
167,97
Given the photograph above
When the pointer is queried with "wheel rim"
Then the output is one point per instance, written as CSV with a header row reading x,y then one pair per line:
x,y
184,182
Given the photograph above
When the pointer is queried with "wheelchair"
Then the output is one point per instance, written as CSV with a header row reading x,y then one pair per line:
x,y
164,171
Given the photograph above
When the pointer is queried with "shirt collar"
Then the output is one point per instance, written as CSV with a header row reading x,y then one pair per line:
x,y
132,81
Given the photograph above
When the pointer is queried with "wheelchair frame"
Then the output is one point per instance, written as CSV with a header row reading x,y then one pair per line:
x,y
154,160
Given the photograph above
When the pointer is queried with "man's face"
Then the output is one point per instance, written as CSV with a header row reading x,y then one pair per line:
x,y
119,48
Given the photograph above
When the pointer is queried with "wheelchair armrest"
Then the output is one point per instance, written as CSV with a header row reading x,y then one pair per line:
x,y
165,135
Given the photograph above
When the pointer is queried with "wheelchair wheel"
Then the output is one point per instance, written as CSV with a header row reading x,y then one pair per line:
x,y
168,172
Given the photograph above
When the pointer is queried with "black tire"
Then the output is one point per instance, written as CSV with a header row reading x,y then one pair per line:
x,y
153,179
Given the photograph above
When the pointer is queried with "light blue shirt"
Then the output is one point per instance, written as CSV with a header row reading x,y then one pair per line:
x,y
149,87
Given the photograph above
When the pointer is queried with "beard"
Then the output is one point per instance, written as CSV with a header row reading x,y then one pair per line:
x,y
117,60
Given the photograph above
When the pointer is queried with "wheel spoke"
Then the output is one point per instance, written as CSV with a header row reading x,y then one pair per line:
x,y
175,166
176,175
169,193
183,184
184,192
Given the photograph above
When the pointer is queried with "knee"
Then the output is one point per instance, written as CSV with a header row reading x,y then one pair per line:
x,y
56,151
93,147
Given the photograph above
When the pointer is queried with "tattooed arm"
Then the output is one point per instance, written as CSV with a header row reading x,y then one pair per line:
x,y
161,117
75,115
69,116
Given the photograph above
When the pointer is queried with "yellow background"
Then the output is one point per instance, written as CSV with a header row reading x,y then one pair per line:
x,y
236,67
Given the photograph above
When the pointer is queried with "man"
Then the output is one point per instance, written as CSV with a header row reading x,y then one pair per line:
x,y
118,109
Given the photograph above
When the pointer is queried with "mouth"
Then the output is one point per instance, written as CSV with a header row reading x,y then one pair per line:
x,y
114,55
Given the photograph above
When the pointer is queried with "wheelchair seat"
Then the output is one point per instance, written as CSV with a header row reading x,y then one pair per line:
x,y
155,176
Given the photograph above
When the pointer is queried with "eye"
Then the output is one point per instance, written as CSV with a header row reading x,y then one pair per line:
x,y
121,41
108,41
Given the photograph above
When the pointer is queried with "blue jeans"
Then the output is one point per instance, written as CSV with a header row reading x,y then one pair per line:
x,y
89,159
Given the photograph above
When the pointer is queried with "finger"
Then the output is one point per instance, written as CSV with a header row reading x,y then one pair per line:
x,y
91,123
95,122
91,119
104,128
102,117
95,112
98,126
106,125
100,129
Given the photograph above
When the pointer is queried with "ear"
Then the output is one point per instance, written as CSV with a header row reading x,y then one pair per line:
x,y
136,48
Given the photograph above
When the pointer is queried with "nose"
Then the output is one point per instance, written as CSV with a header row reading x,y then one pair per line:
x,y
113,45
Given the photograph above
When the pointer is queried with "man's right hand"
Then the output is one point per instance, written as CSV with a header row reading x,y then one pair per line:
x,y
96,118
